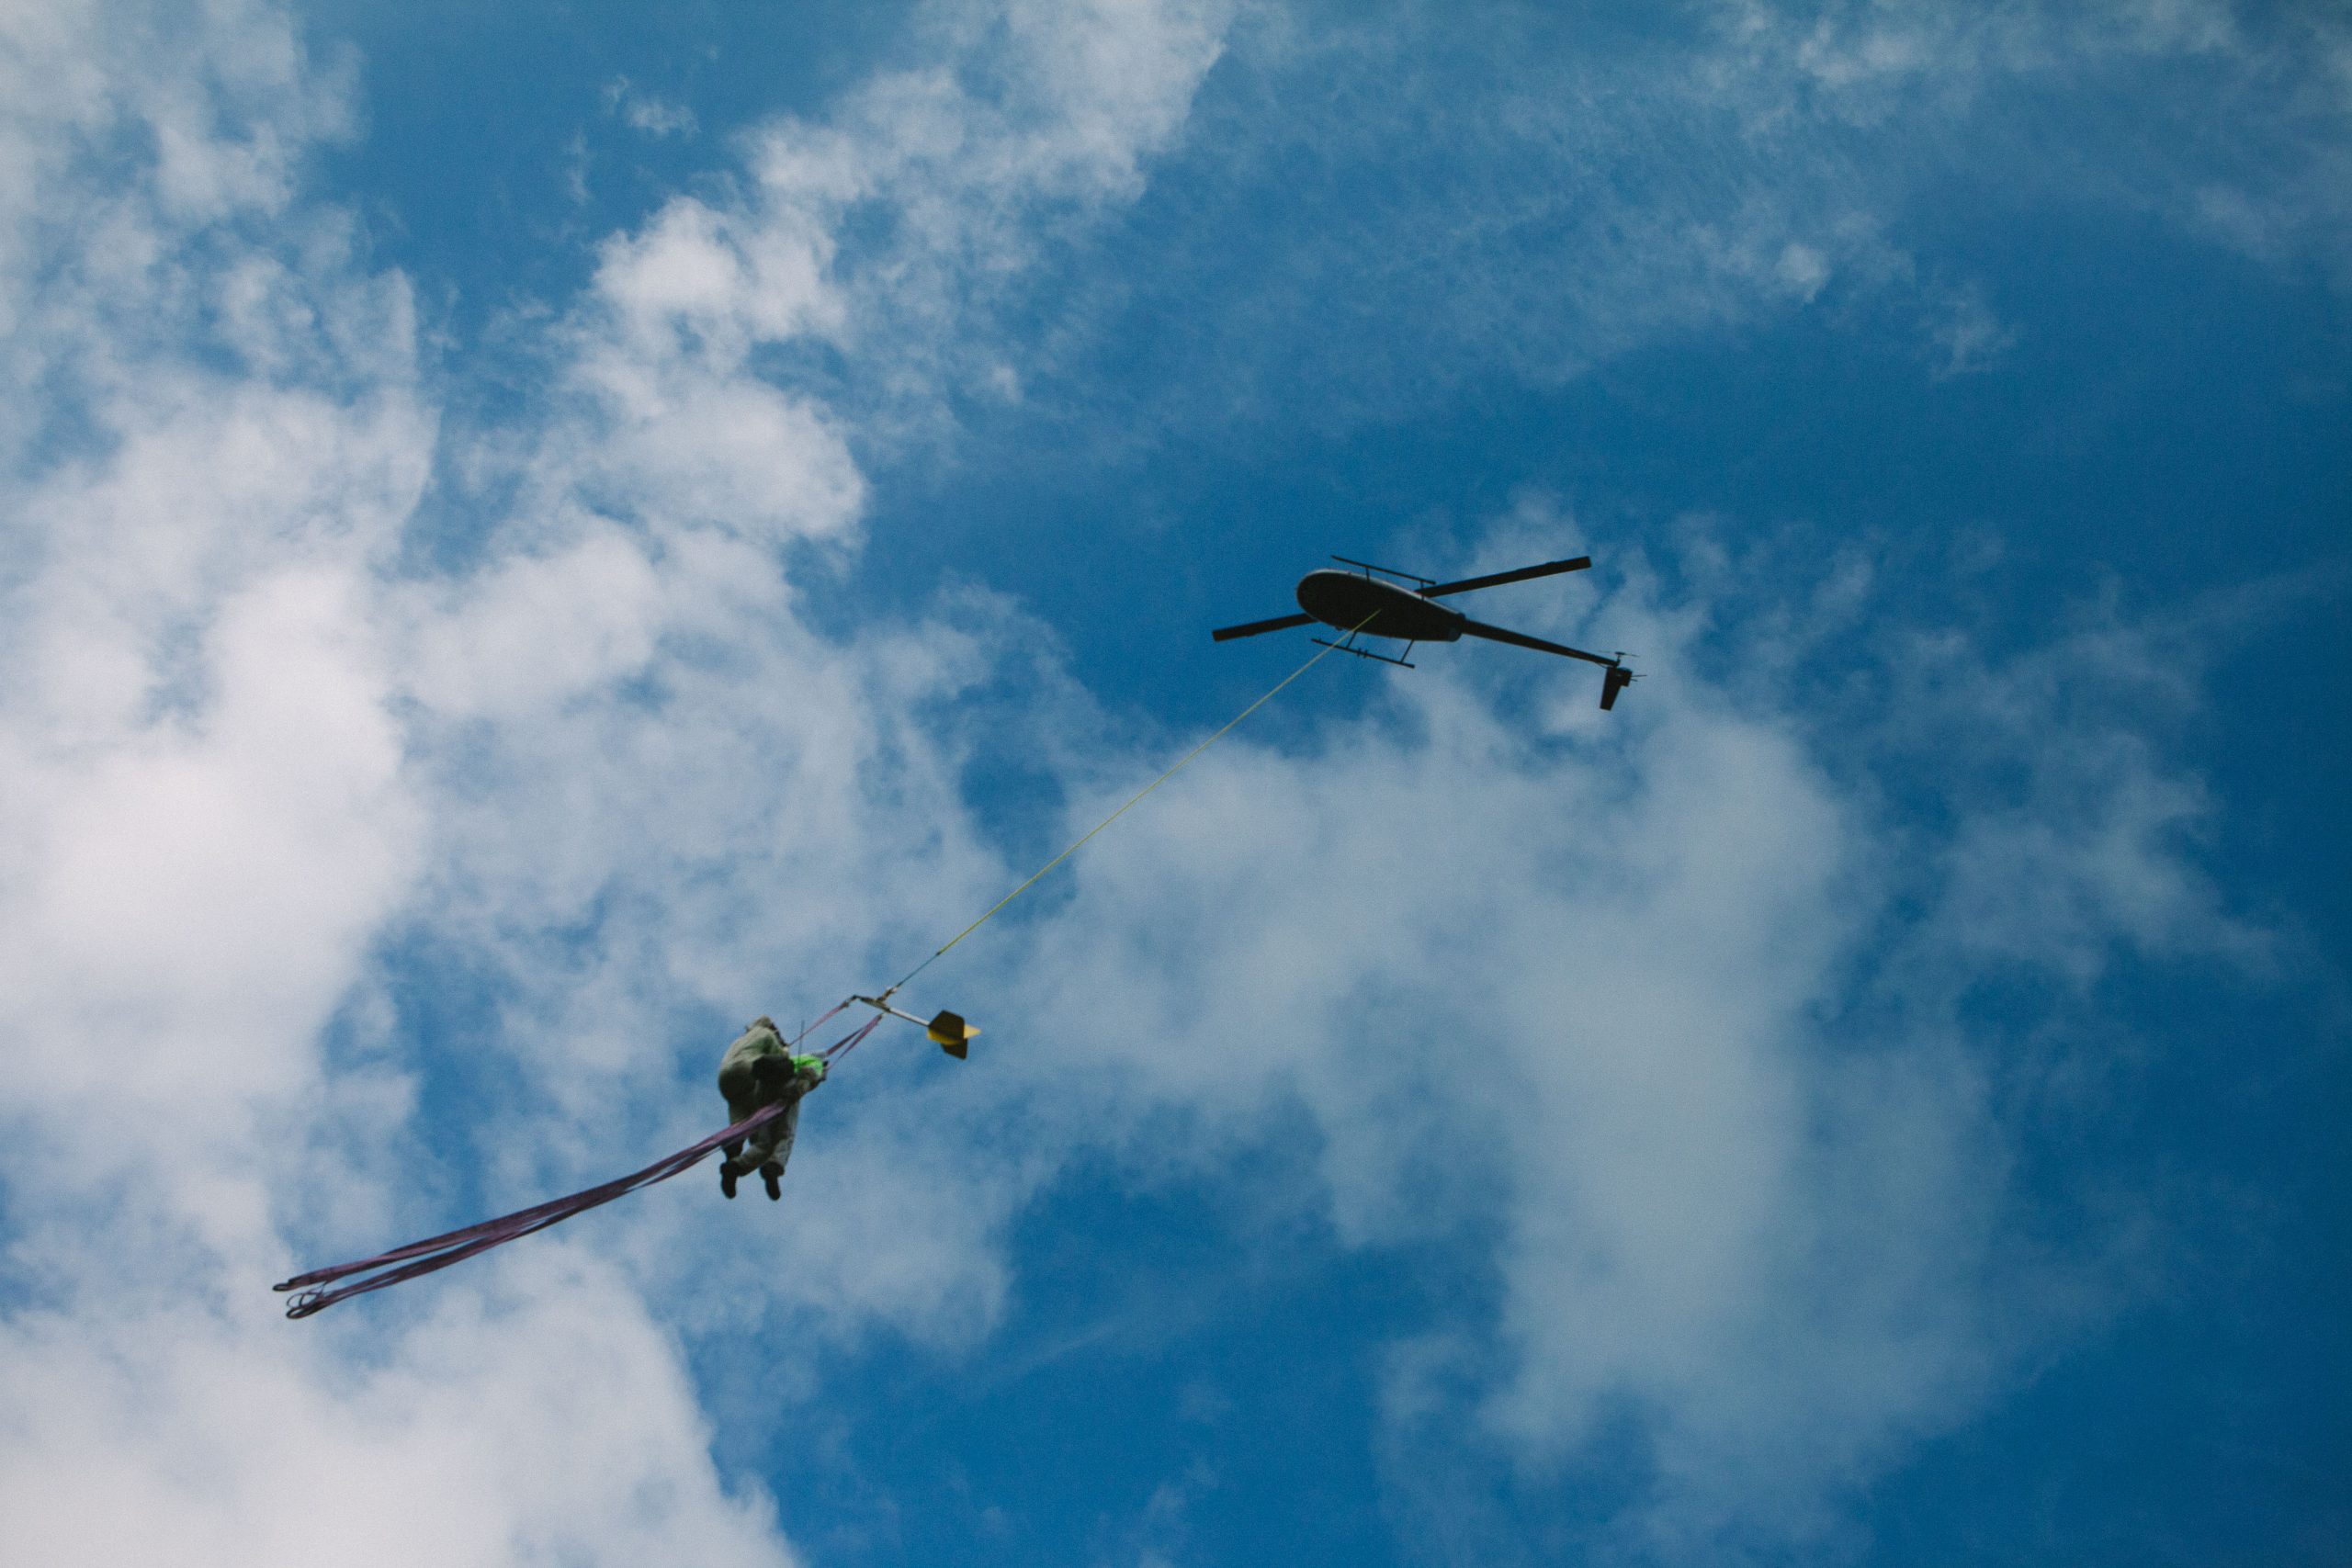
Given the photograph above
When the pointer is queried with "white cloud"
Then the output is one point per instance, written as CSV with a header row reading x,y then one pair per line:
x,y
1619,987
249,742
192,1433
640,110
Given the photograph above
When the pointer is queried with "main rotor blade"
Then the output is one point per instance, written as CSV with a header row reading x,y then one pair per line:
x,y
1520,639
1499,578
1280,623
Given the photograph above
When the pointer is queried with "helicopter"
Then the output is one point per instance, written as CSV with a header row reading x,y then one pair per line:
x,y
1362,604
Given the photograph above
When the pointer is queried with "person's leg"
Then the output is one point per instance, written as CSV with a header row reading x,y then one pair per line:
x,y
772,1171
760,1148
731,1164
739,1160
735,1082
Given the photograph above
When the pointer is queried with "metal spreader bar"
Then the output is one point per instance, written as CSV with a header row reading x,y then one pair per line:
x,y
1367,653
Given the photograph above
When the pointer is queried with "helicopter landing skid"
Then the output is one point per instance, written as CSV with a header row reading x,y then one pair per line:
x,y
1347,647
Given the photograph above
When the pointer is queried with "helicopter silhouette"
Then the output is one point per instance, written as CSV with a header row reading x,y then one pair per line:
x,y
1360,604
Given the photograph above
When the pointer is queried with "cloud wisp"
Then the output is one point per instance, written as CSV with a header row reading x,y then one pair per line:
x,y
1522,202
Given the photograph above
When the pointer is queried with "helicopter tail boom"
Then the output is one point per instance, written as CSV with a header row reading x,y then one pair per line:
x,y
1520,639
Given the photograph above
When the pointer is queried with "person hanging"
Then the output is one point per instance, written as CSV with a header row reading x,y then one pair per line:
x,y
760,1070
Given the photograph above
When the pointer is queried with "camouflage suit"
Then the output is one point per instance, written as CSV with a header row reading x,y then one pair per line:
x,y
759,1070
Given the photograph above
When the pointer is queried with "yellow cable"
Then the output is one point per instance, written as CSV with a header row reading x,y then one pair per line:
x,y
1123,810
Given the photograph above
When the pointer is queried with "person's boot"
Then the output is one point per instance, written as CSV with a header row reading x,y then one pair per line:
x,y
727,1179
774,1176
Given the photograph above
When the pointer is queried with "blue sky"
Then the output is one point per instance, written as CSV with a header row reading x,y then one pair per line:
x,y
536,537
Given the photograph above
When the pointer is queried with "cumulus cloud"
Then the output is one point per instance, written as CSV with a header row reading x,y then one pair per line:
x,y
255,747
188,1433
1672,1006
